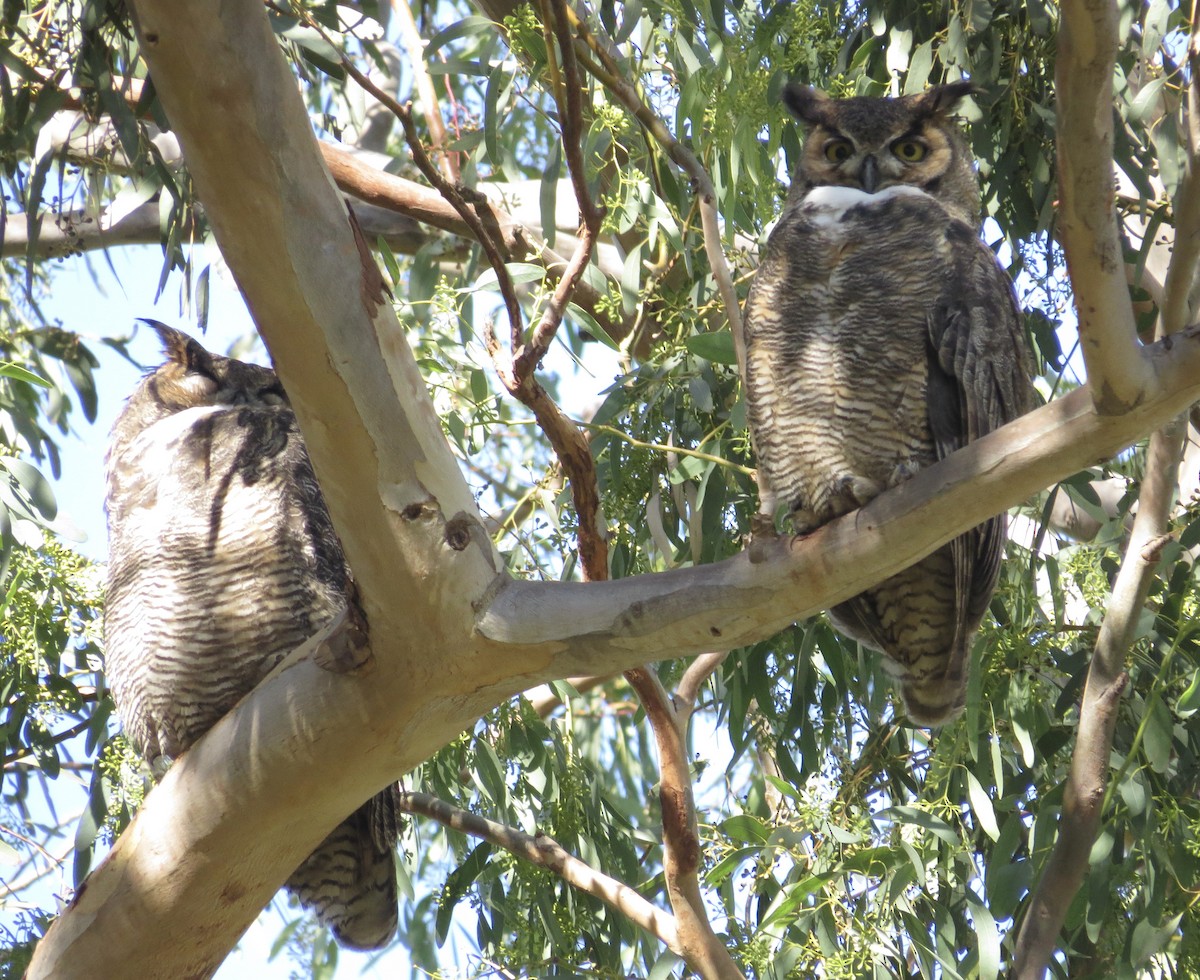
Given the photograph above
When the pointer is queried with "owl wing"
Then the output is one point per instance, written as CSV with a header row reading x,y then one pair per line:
x,y
978,380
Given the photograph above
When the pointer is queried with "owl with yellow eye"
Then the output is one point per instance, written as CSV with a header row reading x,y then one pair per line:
x,y
881,336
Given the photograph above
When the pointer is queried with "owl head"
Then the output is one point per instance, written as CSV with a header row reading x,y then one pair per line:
x,y
871,144
192,377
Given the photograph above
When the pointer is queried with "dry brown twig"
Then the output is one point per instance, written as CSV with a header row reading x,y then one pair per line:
x,y
545,852
423,83
608,71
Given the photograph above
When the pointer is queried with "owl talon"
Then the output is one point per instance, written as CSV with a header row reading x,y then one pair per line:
x,y
903,471
762,533
804,521
344,649
851,491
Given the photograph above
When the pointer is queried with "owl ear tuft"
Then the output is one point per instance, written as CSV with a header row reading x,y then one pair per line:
x,y
180,348
809,105
943,98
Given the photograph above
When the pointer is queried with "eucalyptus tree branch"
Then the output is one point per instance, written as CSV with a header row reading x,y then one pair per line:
x,y
567,440
698,671
423,83
1181,273
78,231
547,702
608,71
1083,797
568,96
545,852
699,944
1118,373
1193,90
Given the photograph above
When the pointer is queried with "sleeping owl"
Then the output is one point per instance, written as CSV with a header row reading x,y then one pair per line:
x,y
222,560
881,336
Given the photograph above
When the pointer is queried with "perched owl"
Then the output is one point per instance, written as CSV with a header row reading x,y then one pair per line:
x,y
881,336
222,560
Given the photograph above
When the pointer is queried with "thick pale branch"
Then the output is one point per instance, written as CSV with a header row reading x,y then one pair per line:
x,y
548,853
1117,372
668,609
1084,793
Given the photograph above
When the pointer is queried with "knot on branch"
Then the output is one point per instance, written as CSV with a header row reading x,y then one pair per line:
x,y
460,529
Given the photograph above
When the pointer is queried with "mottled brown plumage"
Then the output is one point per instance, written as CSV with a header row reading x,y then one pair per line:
x,y
222,560
881,336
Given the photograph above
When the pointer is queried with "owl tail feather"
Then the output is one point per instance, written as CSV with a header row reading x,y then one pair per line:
x,y
935,700
349,881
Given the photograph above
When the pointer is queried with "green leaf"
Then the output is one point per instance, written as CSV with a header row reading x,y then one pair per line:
x,y
9,369
590,324
1189,700
747,828
41,494
716,347
919,818
1148,939
518,272
1156,737
988,938
730,863
464,28
1146,101
457,883
981,806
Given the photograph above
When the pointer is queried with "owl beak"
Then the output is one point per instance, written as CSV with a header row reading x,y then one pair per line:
x,y
868,175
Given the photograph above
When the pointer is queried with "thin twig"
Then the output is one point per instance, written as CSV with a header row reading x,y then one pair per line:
x,y
423,83
609,73
26,751
545,852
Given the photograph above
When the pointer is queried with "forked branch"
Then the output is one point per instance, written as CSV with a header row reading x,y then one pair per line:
x,y
608,71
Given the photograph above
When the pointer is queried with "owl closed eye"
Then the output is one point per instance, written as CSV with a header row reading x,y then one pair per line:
x,y
223,560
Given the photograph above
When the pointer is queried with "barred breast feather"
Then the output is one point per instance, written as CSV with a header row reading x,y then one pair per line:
x,y
871,327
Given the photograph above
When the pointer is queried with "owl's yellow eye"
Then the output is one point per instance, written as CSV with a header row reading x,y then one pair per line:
x,y
910,150
838,150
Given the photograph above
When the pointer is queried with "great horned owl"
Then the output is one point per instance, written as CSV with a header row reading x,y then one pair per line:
x,y
881,336
222,560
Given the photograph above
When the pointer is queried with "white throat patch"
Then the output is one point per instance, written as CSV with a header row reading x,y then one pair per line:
x,y
827,204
